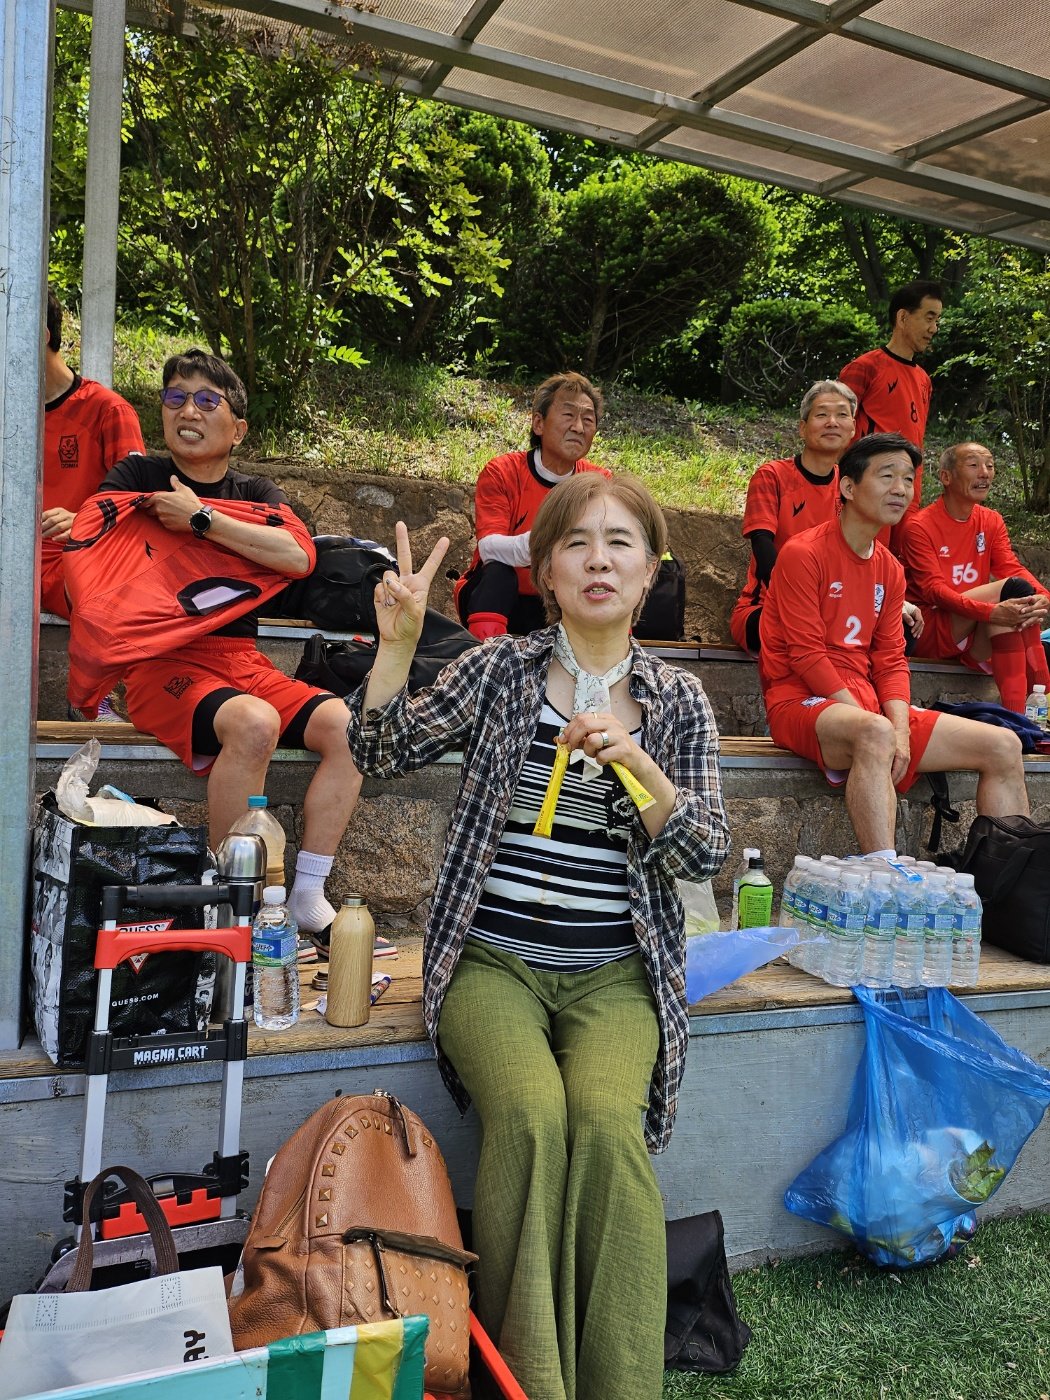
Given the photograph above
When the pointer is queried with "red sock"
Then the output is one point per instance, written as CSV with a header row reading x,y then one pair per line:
x,y
1008,668
1035,658
485,625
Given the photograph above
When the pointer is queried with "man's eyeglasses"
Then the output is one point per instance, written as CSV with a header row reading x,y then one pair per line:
x,y
207,400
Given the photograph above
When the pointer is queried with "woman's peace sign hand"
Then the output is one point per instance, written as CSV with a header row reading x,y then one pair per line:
x,y
401,601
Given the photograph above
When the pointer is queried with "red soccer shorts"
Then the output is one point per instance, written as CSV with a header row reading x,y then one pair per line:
x,y
53,585
937,642
162,694
793,725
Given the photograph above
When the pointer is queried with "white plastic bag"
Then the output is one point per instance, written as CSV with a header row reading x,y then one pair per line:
x,y
71,794
701,911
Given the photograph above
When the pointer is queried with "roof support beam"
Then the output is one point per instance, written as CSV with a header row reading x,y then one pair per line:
x,y
605,92
102,191
979,126
469,27
882,36
27,30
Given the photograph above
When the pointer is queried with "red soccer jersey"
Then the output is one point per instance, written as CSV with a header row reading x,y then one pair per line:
x,y
86,430
893,396
784,499
944,558
507,499
832,621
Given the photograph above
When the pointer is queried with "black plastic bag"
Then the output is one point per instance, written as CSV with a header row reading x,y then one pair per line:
x,y
1009,859
160,992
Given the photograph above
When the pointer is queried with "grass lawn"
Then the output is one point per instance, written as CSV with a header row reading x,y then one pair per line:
x,y
976,1327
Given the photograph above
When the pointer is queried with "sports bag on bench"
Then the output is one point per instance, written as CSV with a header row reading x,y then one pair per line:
x,y
1009,859
356,1223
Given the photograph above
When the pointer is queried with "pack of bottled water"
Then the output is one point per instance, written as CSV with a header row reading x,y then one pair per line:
x,y
878,922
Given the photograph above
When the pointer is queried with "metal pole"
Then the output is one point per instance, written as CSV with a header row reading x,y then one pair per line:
x,y
102,195
26,45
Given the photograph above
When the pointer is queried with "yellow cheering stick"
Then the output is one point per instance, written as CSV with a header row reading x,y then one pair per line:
x,y
545,820
640,796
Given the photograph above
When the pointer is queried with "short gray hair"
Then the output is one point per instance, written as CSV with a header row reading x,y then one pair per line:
x,y
826,386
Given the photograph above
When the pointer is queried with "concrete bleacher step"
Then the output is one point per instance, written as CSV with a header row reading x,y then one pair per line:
x,y
774,799
728,674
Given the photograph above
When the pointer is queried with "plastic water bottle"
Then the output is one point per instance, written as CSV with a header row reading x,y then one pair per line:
x,y
791,899
275,963
966,932
822,883
741,871
257,821
801,956
937,953
911,932
847,912
1035,707
880,932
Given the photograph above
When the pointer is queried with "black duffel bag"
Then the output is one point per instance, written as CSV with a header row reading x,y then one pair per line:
x,y
339,593
341,666
704,1332
1009,859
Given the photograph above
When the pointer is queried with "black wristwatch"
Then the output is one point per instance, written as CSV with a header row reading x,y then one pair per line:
x,y
200,521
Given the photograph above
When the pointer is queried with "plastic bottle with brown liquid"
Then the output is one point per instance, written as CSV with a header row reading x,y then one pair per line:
x,y
257,821
350,964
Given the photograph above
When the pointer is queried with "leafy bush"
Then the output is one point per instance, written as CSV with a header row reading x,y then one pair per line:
x,y
772,350
631,256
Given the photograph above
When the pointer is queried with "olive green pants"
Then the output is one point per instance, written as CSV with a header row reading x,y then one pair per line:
x,y
568,1218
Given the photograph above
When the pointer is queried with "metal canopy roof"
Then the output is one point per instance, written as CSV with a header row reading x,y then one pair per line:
x,y
930,109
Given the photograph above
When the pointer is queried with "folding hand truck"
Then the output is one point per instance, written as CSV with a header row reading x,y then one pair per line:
x,y
201,1207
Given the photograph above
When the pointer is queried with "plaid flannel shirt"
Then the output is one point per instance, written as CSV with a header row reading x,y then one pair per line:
x,y
488,703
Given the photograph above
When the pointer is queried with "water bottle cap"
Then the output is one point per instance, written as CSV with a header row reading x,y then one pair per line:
x,y
964,880
353,901
852,878
880,878
254,802
750,852
755,862
1039,689
273,894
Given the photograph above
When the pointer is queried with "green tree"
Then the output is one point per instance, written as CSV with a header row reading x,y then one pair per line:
x,y
628,261
69,151
255,173
472,194
1001,331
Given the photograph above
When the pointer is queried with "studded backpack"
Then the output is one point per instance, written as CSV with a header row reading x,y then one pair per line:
x,y
355,1224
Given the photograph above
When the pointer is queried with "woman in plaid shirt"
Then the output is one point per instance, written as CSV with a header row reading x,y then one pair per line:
x,y
554,967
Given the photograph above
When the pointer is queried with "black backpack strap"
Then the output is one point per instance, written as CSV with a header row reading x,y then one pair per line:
x,y
941,802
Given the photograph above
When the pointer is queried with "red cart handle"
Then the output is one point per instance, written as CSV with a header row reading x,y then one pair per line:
x,y
116,945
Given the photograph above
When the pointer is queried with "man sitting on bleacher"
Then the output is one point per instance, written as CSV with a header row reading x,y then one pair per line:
x,y
496,594
792,494
834,676
219,703
979,601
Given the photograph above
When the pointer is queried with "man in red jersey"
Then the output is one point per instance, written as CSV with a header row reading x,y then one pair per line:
x,y
217,701
893,392
834,677
87,428
792,494
496,594
979,601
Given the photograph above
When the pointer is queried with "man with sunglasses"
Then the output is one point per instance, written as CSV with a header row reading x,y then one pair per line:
x,y
219,703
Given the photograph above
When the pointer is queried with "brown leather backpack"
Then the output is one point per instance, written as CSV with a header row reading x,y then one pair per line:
x,y
356,1223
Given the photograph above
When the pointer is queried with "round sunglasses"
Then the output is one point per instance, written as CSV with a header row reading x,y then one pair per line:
x,y
207,400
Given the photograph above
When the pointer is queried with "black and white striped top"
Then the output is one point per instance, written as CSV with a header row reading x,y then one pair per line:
x,y
560,903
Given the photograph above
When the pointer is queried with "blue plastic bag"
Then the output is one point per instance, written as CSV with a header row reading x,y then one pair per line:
x,y
713,960
939,1110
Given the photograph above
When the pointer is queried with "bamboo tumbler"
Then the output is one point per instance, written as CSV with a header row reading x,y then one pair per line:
x,y
350,964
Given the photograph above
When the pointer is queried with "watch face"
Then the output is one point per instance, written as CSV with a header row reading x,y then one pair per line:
x,y
200,522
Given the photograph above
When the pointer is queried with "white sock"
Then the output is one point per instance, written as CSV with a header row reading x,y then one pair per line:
x,y
306,903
